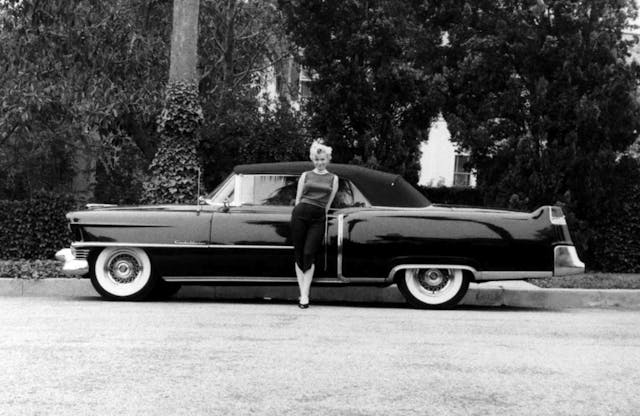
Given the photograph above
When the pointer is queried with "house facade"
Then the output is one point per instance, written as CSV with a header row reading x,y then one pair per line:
x,y
442,163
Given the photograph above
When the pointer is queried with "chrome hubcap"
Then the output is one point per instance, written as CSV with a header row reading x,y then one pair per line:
x,y
433,279
123,268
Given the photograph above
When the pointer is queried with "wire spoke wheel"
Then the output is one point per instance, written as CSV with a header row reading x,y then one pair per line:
x,y
122,273
433,288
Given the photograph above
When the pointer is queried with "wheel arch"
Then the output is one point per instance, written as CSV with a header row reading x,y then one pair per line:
x,y
94,251
468,266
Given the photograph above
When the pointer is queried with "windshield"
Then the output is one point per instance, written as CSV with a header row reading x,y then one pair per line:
x,y
222,191
270,189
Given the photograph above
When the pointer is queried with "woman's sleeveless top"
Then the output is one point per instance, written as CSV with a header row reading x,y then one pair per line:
x,y
317,188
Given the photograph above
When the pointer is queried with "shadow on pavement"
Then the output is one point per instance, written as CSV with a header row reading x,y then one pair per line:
x,y
338,304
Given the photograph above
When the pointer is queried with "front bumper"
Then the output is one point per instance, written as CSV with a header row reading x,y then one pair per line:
x,y
566,261
71,265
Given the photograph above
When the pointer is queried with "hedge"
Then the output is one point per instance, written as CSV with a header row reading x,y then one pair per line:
x,y
35,228
31,269
452,196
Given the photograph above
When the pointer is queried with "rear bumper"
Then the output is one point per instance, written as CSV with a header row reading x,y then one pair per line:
x,y
566,261
72,266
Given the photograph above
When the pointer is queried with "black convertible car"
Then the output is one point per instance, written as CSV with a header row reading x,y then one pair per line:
x,y
380,231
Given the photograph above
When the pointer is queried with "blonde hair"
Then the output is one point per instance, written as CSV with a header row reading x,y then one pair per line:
x,y
318,148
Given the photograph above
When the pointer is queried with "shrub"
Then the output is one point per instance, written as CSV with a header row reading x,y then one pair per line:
x,y
31,269
35,228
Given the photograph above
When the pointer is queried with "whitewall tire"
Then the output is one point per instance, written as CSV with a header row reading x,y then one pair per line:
x,y
433,288
122,273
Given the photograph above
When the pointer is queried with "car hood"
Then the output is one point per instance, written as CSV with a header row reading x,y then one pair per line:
x,y
105,214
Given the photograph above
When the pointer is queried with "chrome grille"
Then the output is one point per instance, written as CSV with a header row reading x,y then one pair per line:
x,y
81,253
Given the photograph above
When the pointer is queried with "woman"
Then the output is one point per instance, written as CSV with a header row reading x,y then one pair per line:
x,y
316,190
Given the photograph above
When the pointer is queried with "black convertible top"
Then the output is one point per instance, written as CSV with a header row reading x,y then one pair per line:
x,y
380,188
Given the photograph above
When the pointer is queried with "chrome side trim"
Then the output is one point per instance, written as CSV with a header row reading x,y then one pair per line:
x,y
566,261
360,280
512,275
340,248
190,243
168,245
97,206
398,208
479,276
245,279
428,266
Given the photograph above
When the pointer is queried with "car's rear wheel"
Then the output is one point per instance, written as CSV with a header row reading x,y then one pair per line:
x,y
122,273
433,288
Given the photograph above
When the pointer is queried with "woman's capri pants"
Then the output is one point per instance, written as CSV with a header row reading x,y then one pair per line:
x,y
307,233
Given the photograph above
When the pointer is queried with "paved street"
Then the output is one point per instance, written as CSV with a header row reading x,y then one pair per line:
x,y
87,356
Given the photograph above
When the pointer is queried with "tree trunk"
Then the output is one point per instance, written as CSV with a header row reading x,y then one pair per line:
x,y
174,169
184,41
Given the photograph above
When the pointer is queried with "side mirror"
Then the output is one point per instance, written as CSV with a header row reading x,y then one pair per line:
x,y
201,200
225,205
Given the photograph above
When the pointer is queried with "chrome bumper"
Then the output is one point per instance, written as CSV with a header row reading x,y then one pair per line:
x,y
566,261
71,265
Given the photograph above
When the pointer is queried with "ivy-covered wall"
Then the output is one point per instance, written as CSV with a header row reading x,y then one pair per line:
x,y
34,228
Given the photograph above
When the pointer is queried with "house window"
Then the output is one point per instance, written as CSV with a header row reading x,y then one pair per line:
x,y
462,171
305,89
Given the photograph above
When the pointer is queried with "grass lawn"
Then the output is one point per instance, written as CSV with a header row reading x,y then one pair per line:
x,y
591,281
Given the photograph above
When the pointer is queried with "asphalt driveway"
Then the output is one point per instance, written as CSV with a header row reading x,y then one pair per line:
x,y
87,356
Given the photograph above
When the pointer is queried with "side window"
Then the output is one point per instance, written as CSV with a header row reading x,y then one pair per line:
x,y
268,190
349,196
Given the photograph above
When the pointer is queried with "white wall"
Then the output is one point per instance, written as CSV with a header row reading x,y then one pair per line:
x,y
438,157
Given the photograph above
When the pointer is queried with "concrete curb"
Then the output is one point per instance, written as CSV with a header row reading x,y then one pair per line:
x,y
513,294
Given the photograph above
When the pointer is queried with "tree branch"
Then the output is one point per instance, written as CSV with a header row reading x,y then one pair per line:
x,y
9,134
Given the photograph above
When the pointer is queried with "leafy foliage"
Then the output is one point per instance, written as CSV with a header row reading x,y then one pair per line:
x,y
544,98
377,82
245,133
174,170
31,269
239,42
76,78
611,242
84,81
35,228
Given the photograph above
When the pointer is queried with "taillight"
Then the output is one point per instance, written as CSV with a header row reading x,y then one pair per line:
x,y
557,216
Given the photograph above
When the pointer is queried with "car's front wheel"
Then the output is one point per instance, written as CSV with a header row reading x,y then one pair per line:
x,y
433,288
122,273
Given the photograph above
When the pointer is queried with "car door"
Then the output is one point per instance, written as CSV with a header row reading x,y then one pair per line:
x,y
250,235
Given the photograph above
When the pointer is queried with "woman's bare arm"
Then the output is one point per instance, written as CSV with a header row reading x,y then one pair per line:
x,y
300,186
334,191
